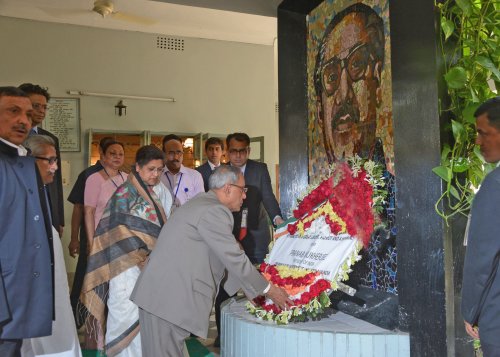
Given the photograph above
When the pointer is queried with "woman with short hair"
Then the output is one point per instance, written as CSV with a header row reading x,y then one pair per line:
x,y
125,236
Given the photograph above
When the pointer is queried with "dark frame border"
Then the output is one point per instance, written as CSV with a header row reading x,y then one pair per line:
x,y
428,252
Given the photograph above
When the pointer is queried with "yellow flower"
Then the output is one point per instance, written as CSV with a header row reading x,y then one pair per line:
x,y
285,271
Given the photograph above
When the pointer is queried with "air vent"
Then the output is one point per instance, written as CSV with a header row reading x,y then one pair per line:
x,y
169,43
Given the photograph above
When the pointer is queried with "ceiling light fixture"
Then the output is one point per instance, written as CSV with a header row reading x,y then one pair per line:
x,y
109,95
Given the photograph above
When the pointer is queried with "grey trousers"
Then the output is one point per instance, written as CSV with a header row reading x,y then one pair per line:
x,y
10,348
160,338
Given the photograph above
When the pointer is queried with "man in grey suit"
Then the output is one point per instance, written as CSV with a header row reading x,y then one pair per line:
x,y
176,289
481,278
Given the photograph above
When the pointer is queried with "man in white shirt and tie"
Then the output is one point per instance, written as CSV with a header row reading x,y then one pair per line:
x,y
214,149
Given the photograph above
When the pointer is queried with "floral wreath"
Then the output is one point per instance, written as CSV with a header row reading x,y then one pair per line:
x,y
348,201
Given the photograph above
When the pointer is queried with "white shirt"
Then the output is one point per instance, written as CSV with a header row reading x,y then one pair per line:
x,y
21,150
184,185
242,168
212,166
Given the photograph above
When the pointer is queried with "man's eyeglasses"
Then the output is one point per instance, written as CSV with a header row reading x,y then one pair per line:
x,y
51,160
37,106
355,63
174,153
243,151
243,189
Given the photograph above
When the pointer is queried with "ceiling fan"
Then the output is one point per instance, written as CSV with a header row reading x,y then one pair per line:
x,y
105,8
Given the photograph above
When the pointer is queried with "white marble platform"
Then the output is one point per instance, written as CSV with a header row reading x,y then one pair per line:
x,y
339,335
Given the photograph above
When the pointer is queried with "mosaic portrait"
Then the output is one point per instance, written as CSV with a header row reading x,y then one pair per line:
x,y
350,108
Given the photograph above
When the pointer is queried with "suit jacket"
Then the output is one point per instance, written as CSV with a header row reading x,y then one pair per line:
x,y
481,278
195,246
206,171
4,308
56,188
25,249
260,199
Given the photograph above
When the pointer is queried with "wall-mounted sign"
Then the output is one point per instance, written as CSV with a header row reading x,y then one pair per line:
x,y
63,120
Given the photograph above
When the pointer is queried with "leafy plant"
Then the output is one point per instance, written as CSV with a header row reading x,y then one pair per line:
x,y
470,41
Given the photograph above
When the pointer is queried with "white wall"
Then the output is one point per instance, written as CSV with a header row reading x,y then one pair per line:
x,y
219,86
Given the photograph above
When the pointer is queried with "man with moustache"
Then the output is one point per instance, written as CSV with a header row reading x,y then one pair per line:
x,y
481,278
183,183
40,97
348,74
26,284
176,289
214,149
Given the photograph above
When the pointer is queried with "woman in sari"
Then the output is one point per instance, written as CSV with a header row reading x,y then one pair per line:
x,y
125,236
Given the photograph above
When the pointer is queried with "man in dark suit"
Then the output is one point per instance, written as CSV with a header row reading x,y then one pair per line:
x,y
481,278
39,97
26,264
251,227
214,149
260,200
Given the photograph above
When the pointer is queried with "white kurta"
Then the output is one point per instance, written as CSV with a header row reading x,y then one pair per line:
x,y
64,339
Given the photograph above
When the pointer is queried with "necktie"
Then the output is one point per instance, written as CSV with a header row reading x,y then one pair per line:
x,y
32,132
243,227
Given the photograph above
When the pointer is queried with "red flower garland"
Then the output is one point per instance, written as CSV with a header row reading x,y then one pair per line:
x,y
276,279
314,291
351,199
317,196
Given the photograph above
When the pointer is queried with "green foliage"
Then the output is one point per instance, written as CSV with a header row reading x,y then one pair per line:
x,y
456,78
470,32
477,348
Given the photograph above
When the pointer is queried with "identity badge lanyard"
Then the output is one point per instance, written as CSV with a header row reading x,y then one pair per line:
x,y
172,187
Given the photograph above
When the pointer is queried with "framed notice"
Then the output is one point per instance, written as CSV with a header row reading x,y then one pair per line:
x,y
63,120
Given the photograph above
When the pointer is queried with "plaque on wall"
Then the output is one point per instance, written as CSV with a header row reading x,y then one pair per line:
x,y
63,120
